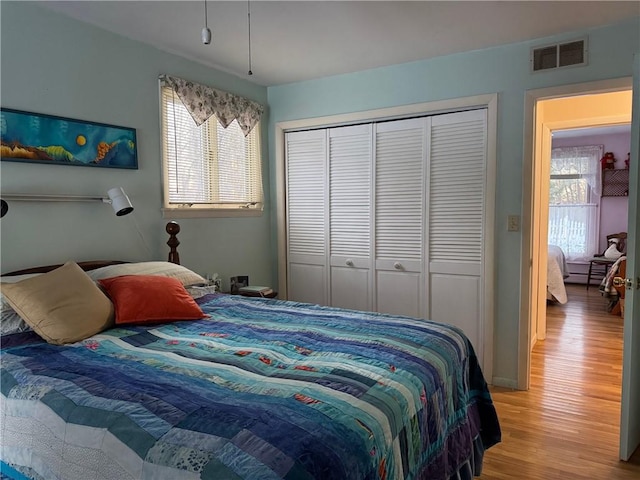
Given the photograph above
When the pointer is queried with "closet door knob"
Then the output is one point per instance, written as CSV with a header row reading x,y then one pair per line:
x,y
397,266
349,263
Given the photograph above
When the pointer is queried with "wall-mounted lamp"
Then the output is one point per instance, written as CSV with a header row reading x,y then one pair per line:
x,y
119,201
115,197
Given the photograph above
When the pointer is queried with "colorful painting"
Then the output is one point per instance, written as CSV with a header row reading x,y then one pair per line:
x,y
34,137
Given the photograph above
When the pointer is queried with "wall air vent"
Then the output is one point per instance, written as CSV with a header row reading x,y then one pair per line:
x,y
569,54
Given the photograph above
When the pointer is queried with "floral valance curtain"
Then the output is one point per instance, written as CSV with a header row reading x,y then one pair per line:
x,y
202,102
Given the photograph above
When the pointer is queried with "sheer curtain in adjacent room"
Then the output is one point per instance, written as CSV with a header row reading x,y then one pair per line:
x,y
574,200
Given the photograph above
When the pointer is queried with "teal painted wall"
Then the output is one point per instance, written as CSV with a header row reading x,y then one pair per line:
x,y
504,70
55,65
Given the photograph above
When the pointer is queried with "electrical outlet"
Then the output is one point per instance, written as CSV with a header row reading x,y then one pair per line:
x,y
513,223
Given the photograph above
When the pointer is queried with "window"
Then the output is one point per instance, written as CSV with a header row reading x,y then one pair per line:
x,y
574,200
209,170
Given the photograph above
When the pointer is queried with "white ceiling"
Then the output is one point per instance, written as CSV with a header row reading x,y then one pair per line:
x,y
300,40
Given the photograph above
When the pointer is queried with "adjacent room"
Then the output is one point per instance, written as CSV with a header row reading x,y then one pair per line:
x,y
307,239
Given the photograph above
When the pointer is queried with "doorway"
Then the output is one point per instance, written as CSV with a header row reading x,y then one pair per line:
x,y
563,113
594,110
595,104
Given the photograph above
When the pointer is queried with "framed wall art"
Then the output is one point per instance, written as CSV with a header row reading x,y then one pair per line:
x,y
39,138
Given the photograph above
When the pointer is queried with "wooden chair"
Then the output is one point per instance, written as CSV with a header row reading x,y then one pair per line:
x,y
599,265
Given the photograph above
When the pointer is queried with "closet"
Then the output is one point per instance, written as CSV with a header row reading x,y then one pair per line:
x,y
389,216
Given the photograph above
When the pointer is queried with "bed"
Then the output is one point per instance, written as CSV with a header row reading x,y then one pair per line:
x,y
254,389
557,271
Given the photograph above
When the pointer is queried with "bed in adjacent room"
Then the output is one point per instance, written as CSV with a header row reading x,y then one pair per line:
x,y
557,271
201,385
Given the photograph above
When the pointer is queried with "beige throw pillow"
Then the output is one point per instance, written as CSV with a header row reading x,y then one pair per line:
x,y
62,306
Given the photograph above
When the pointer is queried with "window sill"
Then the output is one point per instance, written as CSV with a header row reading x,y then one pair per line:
x,y
171,213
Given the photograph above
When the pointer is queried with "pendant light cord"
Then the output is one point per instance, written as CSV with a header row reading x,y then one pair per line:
x,y
249,23
206,32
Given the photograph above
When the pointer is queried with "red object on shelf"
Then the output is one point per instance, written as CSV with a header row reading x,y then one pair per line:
x,y
608,160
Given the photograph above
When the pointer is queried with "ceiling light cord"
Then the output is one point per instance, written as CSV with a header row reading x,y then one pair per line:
x,y
206,33
249,25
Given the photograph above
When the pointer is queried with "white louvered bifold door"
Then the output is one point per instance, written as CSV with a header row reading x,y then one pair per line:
x,y
400,150
307,216
350,216
456,215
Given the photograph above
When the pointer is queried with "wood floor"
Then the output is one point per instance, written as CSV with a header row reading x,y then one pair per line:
x,y
567,425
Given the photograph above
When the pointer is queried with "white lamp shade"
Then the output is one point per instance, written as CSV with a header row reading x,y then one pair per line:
x,y
119,201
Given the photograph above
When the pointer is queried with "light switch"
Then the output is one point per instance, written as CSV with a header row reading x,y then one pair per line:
x,y
513,223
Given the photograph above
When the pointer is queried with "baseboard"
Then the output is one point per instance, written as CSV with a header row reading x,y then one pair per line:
x,y
504,382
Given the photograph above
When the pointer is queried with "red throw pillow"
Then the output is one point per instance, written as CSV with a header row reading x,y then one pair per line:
x,y
150,299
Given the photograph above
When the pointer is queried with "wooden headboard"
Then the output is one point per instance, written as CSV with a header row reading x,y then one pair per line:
x,y
172,229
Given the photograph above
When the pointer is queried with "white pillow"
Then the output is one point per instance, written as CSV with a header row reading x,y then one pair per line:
x,y
10,321
166,269
17,278
612,252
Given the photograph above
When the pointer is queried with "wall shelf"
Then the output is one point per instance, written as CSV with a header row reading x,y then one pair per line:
x,y
615,182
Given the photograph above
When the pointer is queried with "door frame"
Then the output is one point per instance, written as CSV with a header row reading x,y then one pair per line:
x,y
488,101
530,268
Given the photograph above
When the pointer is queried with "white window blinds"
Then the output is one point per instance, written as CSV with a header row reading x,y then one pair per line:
x,y
208,166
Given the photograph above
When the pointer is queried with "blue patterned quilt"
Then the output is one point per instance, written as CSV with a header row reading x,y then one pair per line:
x,y
263,389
